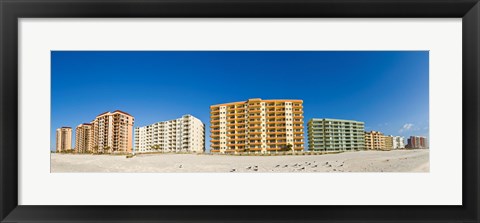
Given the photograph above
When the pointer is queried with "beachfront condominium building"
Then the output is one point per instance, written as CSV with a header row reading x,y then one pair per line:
x,y
185,134
64,139
335,135
84,138
258,126
417,142
374,140
388,142
113,132
398,142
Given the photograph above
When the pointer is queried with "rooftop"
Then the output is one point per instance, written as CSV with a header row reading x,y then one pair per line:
x,y
257,99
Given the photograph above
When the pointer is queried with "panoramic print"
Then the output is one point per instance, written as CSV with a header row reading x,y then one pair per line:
x,y
239,111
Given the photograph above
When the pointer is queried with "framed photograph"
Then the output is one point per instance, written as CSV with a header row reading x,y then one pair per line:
x,y
227,111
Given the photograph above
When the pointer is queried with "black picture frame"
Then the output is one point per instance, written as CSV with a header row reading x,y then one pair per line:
x,y
12,10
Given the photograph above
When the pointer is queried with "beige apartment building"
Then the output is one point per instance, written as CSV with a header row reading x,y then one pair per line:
x,y
388,142
113,132
64,139
84,138
374,140
256,125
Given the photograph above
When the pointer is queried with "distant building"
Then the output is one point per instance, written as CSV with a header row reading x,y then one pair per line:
x,y
256,125
388,142
84,138
394,142
417,142
113,132
64,139
335,135
374,140
398,142
185,134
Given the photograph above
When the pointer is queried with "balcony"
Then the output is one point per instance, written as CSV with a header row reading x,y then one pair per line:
x,y
255,127
255,149
254,105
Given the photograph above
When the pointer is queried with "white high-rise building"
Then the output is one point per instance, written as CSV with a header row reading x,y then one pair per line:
x,y
398,142
185,134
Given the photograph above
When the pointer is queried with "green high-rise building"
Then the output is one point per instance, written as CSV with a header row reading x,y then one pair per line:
x,y
335,135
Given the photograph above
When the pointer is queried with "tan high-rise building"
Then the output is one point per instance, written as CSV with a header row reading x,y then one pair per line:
x,y
84,138
374,140
113,132
257,125
388,142
64,139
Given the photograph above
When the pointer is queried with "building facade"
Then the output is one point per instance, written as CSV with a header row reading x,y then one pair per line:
x,y
398,142
388,142
417,142
84,138
258,126
113,132
63,139
335,135
374,140
185,134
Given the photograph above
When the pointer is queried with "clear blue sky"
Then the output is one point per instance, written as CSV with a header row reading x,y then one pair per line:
x,y
388,90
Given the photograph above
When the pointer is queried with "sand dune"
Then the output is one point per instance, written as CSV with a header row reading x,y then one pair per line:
x,y
363,161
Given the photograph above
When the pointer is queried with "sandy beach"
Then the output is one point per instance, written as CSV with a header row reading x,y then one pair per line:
x,y
363,161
